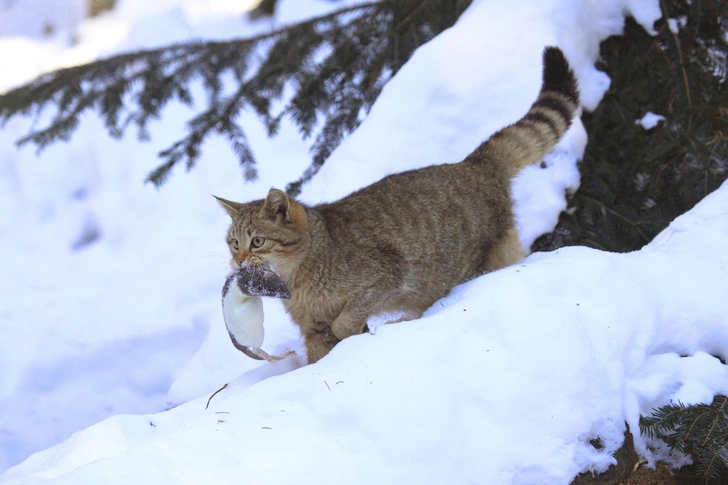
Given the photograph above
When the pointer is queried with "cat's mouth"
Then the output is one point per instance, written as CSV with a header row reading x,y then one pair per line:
x,y
260,280
250,263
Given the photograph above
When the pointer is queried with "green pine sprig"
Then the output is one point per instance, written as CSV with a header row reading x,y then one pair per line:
x,y
699,431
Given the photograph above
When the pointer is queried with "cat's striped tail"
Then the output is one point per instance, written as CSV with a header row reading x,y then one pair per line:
x,y
532,137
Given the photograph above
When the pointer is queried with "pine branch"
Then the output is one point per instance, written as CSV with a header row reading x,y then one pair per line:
x,y
336,64
663,420
699,430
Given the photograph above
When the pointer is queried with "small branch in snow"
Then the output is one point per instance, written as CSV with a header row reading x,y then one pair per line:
x,y
619,216
213,395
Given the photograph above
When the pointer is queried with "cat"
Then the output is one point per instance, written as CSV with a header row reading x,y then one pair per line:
x,y
402,243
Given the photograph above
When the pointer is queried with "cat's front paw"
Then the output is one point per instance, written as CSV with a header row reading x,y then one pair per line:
x,y
344,326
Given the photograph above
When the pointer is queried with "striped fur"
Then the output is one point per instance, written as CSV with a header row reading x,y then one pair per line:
x,y
532,137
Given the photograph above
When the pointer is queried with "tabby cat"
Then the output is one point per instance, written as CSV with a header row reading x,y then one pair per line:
x,y
402,243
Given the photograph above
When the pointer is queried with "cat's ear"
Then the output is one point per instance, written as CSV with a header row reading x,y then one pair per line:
x,y
277,204
280,207
232,208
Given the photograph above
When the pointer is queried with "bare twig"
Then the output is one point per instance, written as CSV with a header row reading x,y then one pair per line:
x,y
213,395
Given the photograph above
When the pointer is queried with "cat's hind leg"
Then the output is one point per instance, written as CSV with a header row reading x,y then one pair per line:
x,y
506,251
353,318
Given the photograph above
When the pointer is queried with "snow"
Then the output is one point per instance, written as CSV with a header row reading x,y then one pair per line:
x,y
376,321
675,24
40,19
649,120
509,377
115,321
471,389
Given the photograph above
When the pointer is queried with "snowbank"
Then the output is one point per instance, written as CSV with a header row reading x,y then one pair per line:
x,y
505,381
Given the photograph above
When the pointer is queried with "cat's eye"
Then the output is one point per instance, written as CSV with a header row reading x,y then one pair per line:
x,y
235,244
257,241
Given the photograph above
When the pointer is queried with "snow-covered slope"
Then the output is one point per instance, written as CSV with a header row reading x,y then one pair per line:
x,y
504,381
109,285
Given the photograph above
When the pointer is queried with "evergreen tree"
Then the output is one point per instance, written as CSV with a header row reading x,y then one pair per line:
x,y
634,182
336,64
